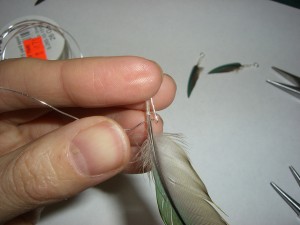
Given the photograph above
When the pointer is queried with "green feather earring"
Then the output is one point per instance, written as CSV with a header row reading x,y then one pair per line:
x,y
194,76
231,67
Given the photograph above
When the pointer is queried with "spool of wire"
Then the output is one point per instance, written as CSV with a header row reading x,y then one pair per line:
x,y
37,37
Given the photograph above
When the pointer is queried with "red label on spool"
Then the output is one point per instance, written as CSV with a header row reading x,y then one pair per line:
x,y
34,48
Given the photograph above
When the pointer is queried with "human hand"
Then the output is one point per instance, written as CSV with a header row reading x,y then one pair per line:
x,y
45,157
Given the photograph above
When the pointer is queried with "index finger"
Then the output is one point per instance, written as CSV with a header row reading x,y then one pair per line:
x,y
87,82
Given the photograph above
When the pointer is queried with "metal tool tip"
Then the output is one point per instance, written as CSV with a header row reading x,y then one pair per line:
x,y
273,184
275,68
295,174
291,168
272,82
288,199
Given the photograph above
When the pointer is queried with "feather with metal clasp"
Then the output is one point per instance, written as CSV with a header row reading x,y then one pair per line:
x,y
231,67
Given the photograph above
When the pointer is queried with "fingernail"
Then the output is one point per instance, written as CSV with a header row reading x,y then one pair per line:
x,y
98,149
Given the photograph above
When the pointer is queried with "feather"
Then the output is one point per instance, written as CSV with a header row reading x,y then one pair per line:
x,y
182,197
194,76
231,67
193,79
38,2
226,68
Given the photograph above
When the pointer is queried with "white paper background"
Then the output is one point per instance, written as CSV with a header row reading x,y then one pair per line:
x,y
242,132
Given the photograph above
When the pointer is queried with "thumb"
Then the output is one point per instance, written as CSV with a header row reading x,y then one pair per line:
x,y
61,164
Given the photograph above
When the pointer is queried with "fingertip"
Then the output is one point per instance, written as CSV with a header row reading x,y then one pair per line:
x,y
170,85
146,77
107,81
166,94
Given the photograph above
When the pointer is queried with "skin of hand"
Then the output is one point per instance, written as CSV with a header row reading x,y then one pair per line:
x,y
46,157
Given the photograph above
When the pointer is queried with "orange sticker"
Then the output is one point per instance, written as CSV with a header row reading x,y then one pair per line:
x,y
34,48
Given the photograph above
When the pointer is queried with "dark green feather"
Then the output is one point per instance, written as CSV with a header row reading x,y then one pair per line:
x,y
226,68
193,79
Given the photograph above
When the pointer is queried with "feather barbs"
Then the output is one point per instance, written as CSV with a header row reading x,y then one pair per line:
x,y
182,197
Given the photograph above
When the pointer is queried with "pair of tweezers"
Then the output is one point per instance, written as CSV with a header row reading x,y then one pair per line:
x,y
288,199
292,89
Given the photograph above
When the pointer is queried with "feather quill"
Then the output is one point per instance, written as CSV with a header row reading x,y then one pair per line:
x,y
182,197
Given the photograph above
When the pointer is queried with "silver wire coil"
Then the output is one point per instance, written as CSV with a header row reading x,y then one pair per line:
x,y
71,47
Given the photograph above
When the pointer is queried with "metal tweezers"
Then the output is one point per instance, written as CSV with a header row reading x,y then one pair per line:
x,y
294,90
288,199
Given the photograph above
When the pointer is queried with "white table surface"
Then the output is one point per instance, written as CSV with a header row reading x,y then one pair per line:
x,y
242,132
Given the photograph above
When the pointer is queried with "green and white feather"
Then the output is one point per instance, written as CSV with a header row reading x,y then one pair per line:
x,y
182,197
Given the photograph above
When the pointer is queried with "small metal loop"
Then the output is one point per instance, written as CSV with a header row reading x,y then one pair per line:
x,y
256,65
202,55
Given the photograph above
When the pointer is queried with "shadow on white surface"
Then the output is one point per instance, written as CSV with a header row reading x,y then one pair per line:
x,y
135,209
131,208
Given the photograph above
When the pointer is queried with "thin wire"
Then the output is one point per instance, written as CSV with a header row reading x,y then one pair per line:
x,y
148,111
39,101
153,109
136,126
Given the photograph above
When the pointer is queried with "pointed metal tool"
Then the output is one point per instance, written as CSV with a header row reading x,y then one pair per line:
x,y
292,89
296,175
288,199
